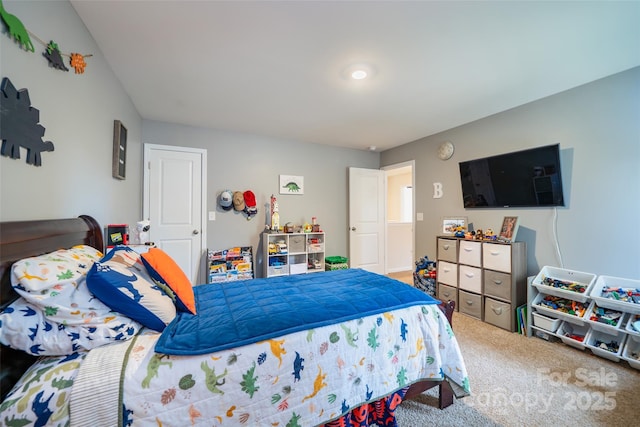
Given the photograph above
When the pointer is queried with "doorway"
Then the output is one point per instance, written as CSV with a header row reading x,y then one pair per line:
x,y
400,217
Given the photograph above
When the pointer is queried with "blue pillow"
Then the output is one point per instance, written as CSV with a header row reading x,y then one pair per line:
x,y
121,282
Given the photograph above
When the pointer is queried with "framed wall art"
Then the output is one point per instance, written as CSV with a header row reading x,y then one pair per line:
x,y
509,229
119,165
451,223
291,184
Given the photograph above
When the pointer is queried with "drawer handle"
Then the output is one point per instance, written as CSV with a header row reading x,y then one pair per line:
x,y
469,275
469,302
497,310
446,294
446,247
498,282
494,253
446,270
468,249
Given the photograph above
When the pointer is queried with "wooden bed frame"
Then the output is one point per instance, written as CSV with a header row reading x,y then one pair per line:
x,y
22,239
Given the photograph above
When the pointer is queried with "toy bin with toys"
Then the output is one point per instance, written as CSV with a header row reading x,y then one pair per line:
x,y
573,335
617,293
631,352
561,282
606,345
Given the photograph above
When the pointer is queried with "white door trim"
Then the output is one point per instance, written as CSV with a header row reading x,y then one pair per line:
x,y
146,202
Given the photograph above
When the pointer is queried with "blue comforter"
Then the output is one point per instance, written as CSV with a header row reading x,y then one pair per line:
x,y
237,313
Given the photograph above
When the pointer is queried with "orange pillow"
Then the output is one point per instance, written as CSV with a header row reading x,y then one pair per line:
x,y
164,269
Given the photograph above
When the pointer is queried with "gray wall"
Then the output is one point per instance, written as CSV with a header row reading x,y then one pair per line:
x,y
77,112
240,162
598,128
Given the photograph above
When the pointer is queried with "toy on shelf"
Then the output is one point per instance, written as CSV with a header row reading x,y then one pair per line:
x,y
490,235
275,215
459,231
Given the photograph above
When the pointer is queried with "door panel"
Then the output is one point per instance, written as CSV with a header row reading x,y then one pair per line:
x,y
366,219
175,188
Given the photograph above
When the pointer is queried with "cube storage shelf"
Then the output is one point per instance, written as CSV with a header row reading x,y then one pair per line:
x,y
293,253
609,328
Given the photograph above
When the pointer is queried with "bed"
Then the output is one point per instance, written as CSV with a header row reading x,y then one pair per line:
x,y
354,372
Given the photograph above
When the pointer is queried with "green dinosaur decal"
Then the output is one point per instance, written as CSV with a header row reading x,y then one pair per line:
x,y
310,333
19,422
61,384
430,360
248,382
16,29
212,380
152,368
65,275
292,186
449,330
350,336
293,422
402,377
50,311
372,340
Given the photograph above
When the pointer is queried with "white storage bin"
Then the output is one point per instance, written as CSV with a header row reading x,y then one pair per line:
x,y
545,322
633,333
593,314
586,280
550,312
298,268
278,270
598,336
632,348
568,332
615,282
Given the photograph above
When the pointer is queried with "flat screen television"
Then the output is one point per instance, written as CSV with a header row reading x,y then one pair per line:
x,y
527,178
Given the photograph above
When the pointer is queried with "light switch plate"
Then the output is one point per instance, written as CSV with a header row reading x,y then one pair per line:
x,y
212,216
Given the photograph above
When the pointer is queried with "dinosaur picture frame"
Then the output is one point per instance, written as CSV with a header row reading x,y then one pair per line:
x,y
119,162
291,184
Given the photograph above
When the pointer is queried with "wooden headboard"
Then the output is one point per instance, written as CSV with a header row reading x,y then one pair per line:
x,y
23,239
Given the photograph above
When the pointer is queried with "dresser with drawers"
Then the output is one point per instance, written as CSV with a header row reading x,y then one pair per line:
x,y
486,279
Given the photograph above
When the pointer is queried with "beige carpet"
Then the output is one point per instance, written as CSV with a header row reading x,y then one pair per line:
x,y
520,381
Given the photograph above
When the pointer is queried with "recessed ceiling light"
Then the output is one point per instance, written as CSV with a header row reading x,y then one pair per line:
x,y
372,148
359,71
359,74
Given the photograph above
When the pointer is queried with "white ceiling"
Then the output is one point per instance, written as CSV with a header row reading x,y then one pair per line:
x,y
277,68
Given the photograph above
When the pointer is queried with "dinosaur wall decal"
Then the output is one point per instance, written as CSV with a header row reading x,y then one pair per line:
x,y
19,125
16,29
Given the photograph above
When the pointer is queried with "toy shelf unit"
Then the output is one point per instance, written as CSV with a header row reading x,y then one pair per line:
x,y
231,264
293,253
486,279
585,311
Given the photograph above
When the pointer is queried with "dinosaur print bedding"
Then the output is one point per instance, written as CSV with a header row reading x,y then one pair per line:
x,y
304,378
